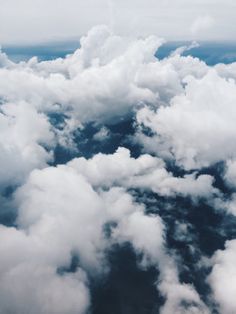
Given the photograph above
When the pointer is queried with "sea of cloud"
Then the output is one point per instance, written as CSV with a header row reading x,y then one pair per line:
x,y
183,113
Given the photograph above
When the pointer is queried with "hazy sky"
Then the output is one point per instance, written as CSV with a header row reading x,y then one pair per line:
x,y
31,21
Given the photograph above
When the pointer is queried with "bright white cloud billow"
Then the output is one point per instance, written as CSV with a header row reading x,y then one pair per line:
x,y
59,215
198,128
222,278
24,134
146,172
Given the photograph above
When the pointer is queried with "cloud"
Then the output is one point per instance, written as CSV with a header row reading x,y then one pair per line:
x,y
222,277
73,83
145,172
61,215
185,118
197,129
25,142
102,135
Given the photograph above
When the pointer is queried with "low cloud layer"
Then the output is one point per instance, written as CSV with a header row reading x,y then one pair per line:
x,y
176,160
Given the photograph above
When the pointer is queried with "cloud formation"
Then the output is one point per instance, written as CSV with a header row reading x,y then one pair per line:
x,y
25,135
197,129
183,116
222,277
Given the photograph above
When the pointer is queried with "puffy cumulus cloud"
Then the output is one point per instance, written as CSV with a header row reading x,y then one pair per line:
x,y
130,72
145,172
226,70
25,139
106,170
60,207
29,288
47,236
74,82
222,277
61,215
197,129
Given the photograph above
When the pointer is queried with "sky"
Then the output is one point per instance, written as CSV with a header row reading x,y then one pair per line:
x,y
28,21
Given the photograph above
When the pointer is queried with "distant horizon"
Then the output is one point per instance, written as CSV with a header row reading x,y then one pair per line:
x,y
54,42
59,49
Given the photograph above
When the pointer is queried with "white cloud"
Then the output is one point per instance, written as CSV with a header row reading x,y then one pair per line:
x,y
22,132
222,277
198,128
61,208
145,172
60,214
74,82
190,109
102,135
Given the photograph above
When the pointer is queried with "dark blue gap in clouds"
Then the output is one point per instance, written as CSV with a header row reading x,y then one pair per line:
x,y
8,212
207,232
87,146
47,51
127,289
210,52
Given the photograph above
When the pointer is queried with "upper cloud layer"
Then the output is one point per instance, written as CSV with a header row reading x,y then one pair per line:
x,y
38,21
